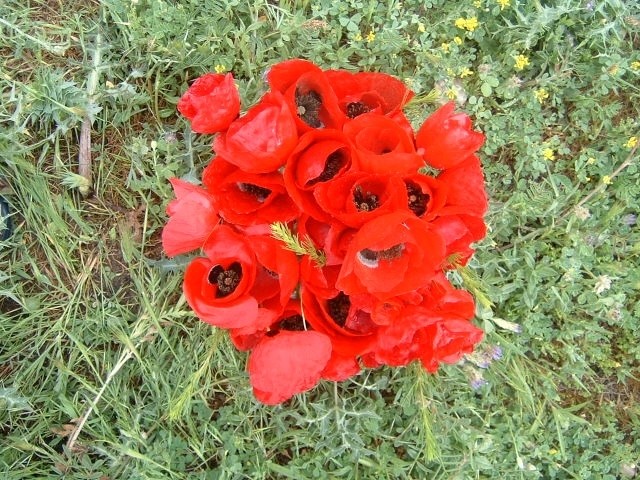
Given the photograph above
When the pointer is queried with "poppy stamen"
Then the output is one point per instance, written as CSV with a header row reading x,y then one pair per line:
x,y
370,257
225,279
338,308
260,193
294,323
365,202
418,200
332,166
355,109
308,107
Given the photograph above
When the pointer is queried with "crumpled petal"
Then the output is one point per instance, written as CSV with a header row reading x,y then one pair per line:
x,y
185,231
287,364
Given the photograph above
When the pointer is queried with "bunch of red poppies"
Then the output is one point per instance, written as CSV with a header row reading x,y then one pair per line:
x,y
328,226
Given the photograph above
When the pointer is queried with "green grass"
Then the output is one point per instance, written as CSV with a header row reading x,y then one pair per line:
x,y
105,372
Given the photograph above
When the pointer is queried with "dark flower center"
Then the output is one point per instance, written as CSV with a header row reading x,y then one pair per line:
x,y
294,323
365,201
338,308
308,107
332,166
260,193
370,257
417,199
355,109
226,280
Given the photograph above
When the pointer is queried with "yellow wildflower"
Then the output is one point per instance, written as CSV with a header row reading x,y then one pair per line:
x,y
548,154
635,65
450,72
457,40
541,95
466,72
591,161
445,47
477,3
503,4
632,142
219,68
522,61
451,94
607,180
421,27
469,24
358,37
371,36
472,24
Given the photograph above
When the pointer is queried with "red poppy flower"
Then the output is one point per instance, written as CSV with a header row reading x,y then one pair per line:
x,y
380,145
290,319
446,341
391,255
332,238
358,197
278,276
248,198
244,283
463,186
211,103
363,92
320,280
459,232
447,139
287,364
308,94
185,231
320,156
261,140
425,195
351,331
440,302
218,287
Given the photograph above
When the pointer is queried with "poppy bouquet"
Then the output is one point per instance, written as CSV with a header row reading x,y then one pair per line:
x,y
327,226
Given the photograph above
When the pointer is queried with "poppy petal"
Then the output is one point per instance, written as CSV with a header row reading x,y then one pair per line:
x,y
287,364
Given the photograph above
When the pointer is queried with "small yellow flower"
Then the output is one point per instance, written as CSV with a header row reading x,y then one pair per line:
x,y
371,36
358,37
631,143
421,27
548,154
472,24
635,65
477,3
219,68
503,4
445,47
607,180
450,72
466,72
541,95
587,179
451,94
457,40
591,161
522,61
469,24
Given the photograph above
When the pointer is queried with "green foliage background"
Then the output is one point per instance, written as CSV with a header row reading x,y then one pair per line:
x,y
105,373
